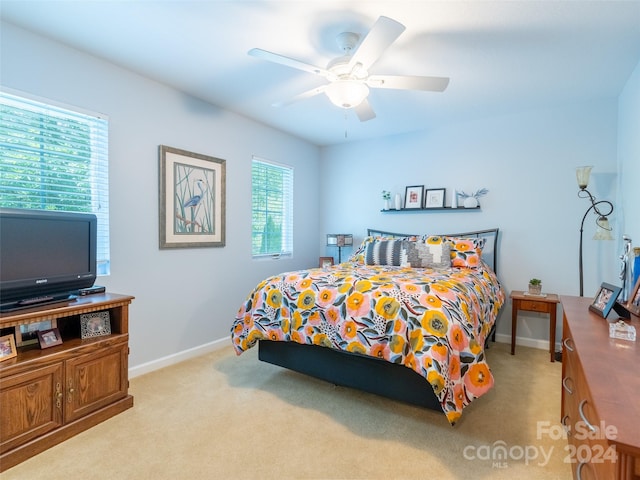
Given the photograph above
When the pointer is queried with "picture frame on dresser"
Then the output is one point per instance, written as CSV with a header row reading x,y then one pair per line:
x,y
605,299
28,334
7,347
633,306
49,338
95,324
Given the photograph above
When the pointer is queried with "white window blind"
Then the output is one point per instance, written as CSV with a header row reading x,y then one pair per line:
x,y
271,209
53,158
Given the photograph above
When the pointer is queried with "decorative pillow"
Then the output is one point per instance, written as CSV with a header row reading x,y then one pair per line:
x,y
384,252
358,256
466,252
429,251
433,252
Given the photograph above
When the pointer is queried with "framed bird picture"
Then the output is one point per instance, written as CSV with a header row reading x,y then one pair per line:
x,y
192,199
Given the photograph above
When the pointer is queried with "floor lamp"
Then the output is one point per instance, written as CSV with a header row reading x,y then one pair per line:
x,y
603,230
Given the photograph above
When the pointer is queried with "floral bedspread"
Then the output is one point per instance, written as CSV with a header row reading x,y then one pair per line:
x,y
432,321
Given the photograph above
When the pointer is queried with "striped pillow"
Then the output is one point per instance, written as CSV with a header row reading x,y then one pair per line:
x,y
384,252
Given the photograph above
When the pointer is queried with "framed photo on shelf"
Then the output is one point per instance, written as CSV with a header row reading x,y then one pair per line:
x,y
634,300
605,299
7,347
434,198
192,199
28,334
49,338
326,262
95,324
413,196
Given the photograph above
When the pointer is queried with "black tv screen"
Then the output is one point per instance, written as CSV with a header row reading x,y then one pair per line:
x,y
45,254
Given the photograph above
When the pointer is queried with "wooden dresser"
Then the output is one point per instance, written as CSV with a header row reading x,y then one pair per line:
x,y
600,395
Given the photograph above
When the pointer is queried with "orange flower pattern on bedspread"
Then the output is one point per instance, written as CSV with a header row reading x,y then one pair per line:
x,y
432,321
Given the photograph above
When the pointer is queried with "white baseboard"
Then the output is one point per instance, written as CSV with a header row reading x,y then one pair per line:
x,y
178,357
527,342
224,342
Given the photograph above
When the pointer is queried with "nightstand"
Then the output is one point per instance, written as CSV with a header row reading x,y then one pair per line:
x,y
545,303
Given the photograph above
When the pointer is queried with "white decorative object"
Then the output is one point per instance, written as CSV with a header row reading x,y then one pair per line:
x,y
387,204
398,201
454,199
470,202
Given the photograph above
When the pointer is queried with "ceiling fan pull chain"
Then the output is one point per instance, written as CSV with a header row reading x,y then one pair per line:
x,y
345,125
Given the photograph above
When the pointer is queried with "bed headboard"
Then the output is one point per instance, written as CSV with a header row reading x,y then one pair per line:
x,y
489,253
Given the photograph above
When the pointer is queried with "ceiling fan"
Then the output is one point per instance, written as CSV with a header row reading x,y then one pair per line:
x,y
348,75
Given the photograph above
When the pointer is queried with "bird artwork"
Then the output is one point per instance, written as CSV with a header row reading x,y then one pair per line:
x,y
195,199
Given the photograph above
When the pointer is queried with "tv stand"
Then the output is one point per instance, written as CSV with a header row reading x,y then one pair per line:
x,y
49,395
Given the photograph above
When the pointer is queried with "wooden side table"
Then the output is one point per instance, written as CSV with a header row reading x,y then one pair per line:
x,y
545,303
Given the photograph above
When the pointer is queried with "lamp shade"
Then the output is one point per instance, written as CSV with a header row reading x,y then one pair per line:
x,y
603,230
582,175
347,93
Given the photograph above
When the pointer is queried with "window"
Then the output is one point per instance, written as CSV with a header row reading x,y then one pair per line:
x,y
271,209
53,158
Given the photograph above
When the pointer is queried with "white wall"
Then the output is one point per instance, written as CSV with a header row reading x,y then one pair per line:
x,y
629,155
526,160
185,298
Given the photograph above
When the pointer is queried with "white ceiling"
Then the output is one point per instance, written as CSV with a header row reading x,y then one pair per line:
x,y
501,57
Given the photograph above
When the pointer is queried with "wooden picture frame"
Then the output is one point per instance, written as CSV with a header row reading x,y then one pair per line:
x,y
325,262
27,334
7,348
605,299
95,324
434,197
49,338
413,196
633,305
192,199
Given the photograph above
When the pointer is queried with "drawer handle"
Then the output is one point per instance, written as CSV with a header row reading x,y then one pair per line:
x,y
584,418
565,386
579,470
565,342
564,424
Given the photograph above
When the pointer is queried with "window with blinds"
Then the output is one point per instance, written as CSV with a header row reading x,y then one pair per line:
x,y
271,209
54,158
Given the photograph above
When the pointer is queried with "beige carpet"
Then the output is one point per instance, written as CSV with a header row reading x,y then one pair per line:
x,y
225,417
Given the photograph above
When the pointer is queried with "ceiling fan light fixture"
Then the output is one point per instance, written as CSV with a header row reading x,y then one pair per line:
x,y
347,93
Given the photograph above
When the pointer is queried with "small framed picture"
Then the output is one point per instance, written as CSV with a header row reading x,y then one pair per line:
x,y
413,196
28,334
605,299
49,338
95,324
326,262
7,347
434,198
634,300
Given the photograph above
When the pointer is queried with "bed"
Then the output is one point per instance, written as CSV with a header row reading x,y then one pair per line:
x,y
407,316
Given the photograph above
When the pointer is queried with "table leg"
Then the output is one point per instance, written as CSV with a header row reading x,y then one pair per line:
x,y
514,323
552,332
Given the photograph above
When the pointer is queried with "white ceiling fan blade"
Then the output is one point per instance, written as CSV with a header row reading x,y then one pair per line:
x,y
383,33
290,62
302,96
364,111
407,82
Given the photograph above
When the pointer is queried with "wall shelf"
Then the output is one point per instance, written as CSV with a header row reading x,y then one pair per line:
x,y
437,209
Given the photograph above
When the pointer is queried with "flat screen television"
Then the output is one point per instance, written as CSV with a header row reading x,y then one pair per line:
x,y
45,256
